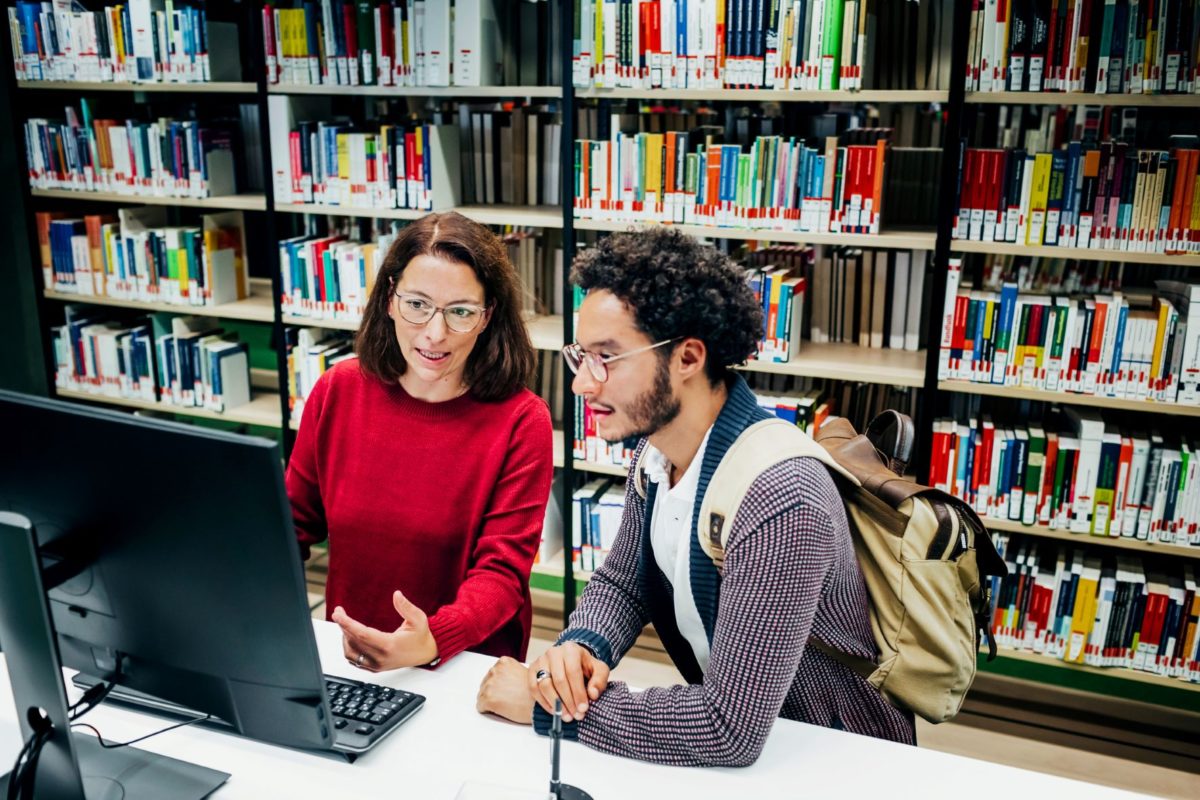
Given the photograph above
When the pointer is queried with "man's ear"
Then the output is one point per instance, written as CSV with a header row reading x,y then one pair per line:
x,y
692,356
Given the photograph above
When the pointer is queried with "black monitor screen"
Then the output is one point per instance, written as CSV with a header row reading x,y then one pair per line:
x,y
173,561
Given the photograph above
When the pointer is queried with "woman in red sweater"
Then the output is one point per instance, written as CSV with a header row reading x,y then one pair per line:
x,y
425,461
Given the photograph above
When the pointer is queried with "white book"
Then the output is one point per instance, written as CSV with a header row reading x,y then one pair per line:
x,y
475,45
901,288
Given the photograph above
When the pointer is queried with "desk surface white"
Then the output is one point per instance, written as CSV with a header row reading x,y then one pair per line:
x,y
448,742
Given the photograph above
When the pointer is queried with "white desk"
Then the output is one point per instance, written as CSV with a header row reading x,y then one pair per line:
x,y
447,742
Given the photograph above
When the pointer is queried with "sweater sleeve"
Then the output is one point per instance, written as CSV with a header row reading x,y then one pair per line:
x,y
774,570
502,556
611,613
303,478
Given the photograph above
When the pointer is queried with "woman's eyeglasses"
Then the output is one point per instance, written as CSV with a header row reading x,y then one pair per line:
x,y
461,318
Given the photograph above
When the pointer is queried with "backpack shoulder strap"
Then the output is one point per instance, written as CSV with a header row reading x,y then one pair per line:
x,y
760,447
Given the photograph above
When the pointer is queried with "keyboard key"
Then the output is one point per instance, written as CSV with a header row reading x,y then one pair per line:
x,y
339,724
365,730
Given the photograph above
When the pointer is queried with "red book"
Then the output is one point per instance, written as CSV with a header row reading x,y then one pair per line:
x,y
351,27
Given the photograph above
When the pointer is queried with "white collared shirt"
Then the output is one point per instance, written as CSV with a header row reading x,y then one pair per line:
x,y
670,537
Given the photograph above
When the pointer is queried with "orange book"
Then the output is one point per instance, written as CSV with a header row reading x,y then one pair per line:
x,y
877,192
42,219
92,224
712,178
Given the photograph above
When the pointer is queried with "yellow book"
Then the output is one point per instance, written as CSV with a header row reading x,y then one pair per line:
x,y
652,169
343,170
1084,614
119,33
368,257
1037,199
598,49
1164,314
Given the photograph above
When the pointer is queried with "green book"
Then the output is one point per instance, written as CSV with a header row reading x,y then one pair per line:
x,y
1033,474
831,46
366,40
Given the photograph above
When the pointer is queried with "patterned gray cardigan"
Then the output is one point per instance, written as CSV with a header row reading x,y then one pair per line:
x,y
790,573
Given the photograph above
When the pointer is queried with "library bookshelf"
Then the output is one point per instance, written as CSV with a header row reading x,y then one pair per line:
x,y
837,362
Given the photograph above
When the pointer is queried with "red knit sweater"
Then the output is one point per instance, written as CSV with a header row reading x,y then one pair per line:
x,y
443,501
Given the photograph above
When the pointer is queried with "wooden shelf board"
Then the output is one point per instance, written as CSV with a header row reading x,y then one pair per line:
x,y
1085,99
1122,673
1079,253
1120,542
210,87
236,202
585,466
525,216
901,240
263,408
554,568
256,308
1022,393
417,91
309,322
768,95
850,362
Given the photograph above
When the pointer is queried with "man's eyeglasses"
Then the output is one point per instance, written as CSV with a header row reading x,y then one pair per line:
x,y
597,364
461,318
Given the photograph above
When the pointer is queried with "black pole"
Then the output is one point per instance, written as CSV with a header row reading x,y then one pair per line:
x,y
952,136
567,198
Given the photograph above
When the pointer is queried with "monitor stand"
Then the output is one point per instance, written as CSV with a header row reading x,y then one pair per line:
x,y
71,766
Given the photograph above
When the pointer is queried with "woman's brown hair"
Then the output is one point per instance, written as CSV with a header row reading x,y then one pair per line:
x,y
503,359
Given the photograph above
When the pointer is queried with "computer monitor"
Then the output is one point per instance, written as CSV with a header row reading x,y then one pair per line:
x,y
169,561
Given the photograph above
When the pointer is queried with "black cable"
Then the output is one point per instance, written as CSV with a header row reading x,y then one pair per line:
x,y
92,698
24,771
115,745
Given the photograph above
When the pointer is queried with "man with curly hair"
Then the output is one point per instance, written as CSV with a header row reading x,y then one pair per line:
x,y
664,320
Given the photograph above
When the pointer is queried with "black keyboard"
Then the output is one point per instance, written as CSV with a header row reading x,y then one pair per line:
x,y
363,713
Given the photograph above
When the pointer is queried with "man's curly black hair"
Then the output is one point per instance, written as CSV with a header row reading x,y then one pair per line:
x,y
677,287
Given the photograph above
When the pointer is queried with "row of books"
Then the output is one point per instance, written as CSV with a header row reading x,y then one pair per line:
x,y
510,155
808,45
1103,345
406,164
143,41
872,298
1097,46
310,353
596,510
330,276
1111,197
780,184
135,255
163,158
192,363
404,42
1073,605
1045,275
1072,471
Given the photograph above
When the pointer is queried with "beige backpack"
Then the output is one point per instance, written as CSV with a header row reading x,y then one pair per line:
x,y
925,555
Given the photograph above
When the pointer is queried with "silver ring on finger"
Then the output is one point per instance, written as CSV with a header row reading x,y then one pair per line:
x,y
359,661
541,675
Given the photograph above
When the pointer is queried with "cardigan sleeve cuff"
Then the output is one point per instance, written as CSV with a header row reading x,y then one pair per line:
x,y
542,720
449,633
593,641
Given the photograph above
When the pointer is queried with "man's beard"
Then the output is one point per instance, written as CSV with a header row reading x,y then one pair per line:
x,y
655,409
